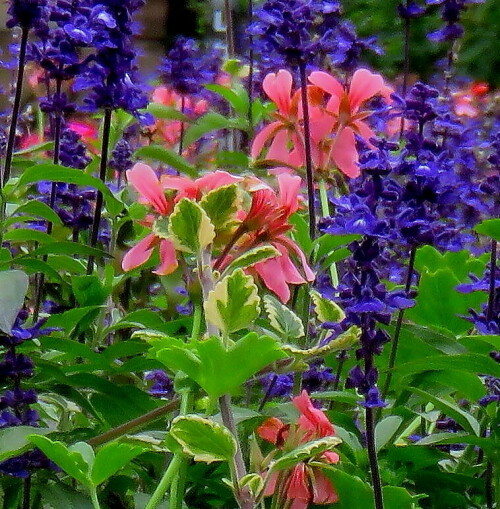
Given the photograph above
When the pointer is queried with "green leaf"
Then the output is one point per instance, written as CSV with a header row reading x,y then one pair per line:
x,y
167,112
203,439
14,441
300,233
325,309
55,173
111,458
23,235
457,438
490,228
32,266
13,288
234,302
88,290
341,342
396,497
38,209
252,256
472,363
221,205
304,452
328,243
236,96
352,491
466,420
282,319
439,304
72,462
211,121
217,370
167,156
190,227
47,145
68,248
386,429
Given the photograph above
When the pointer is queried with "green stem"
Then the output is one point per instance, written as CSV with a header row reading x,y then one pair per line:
x,y
93,497
179,483
167,479
197,316
325,212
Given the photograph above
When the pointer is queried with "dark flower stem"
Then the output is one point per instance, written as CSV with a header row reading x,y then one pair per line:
x,y
267,395
399,324
134,424
372,458
102,175
181,137
27,493
15,109
52,201
307,147
250,71
228,15
491,292
406,64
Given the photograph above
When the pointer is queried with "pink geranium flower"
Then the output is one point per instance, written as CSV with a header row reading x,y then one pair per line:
x,y
343,117
305,483
266,222
146,183
283,134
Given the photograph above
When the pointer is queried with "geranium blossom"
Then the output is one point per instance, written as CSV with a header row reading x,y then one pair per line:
x,y
285,131
343,117
266,222
304,483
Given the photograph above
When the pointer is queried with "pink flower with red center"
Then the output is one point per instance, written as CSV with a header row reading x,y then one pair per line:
x,y
266,222
305,483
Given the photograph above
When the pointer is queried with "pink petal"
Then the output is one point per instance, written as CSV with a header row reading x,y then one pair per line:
x,y
292,275
312,419
270,430
279,89
216,179
298,486
271,484
289,189
330,457
326,82
145,181
291,245
364,84
271,275
168,259
140,253
185,186
344,153
263,136
278,151
323,490
364,131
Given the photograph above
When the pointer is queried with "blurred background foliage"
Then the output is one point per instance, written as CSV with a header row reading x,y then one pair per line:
x,y
478,54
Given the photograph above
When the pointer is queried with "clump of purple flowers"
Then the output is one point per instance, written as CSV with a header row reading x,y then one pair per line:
x,y
15,403
187,68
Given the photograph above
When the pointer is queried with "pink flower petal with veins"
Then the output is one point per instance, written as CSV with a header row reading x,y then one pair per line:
x,y
140,253
364,85
279,89
216,179
168,259
326,82
312,419
344,153
146,183
272,276
263,137
185,186
289,187
323,490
